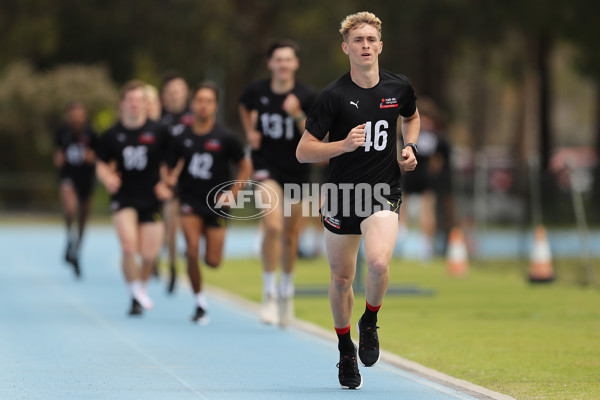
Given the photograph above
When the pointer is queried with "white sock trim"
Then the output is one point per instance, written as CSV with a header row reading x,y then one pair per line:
x,y
269,283
201,300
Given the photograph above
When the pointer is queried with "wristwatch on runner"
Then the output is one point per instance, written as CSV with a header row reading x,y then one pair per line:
x,y
414,147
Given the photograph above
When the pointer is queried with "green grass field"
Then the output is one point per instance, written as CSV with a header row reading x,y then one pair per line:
x,y
491,327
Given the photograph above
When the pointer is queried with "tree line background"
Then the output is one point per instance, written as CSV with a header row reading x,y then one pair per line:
x,y
522,76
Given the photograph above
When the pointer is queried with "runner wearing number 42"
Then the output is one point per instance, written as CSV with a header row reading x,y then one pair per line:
x,y
359,113
206,150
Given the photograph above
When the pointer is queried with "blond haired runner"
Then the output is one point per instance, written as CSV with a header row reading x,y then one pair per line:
x,y
359,113
130,165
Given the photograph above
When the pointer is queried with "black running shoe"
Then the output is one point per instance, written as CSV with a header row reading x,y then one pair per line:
x,y
136,308
172,280
200,317
75,263
69,251
368,343
72,258
348,373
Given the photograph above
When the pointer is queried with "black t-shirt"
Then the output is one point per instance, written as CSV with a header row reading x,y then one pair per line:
x,y
74,146
342,106
138,154
176,123
280,133
206,158
421,179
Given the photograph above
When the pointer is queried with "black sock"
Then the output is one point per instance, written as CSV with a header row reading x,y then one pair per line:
x,y
370,315
345,344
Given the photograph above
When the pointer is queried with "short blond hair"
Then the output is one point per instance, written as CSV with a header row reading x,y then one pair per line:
x,y
131,85
359,19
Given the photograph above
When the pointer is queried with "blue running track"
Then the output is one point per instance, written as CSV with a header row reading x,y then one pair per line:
x,y
67,339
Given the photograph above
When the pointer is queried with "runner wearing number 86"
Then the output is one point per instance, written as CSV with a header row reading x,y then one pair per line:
x,y
130,165
358,113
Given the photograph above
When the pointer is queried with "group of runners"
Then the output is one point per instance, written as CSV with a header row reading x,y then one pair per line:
x,y
172,162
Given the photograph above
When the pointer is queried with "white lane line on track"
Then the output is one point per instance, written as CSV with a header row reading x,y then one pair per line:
x,y
424,375
425,382
118,335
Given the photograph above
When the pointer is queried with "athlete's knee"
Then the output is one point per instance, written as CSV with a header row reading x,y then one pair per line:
x,y
148,261
342,282
290,237
378,266
129,249
273,229
213,261
192,252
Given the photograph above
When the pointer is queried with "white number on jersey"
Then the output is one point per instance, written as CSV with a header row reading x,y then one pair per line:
x,y
274,126
135,157
75,154
378,138
200,164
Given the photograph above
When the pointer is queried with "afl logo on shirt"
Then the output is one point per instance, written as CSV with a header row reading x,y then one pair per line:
x,y
177,129
186,119
389,103
146,138
212,145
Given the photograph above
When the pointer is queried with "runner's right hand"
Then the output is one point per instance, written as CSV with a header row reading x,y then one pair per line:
x,y
254,139
355,138
113,183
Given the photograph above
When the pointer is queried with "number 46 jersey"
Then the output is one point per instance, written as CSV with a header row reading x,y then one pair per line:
x,y
138,154
343,105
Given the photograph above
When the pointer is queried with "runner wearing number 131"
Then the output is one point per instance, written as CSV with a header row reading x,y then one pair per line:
x,y
359,112
273,112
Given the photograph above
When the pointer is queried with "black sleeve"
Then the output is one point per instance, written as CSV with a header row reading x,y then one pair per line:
x,y
248,98
410,105
93,140
309,100
236,149
321,116
166,143
173,153
104,148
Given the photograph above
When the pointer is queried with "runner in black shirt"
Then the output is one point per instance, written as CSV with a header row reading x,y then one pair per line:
x,y
422,186
359,113
131,156
75,158
273,112
207,151
175,116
